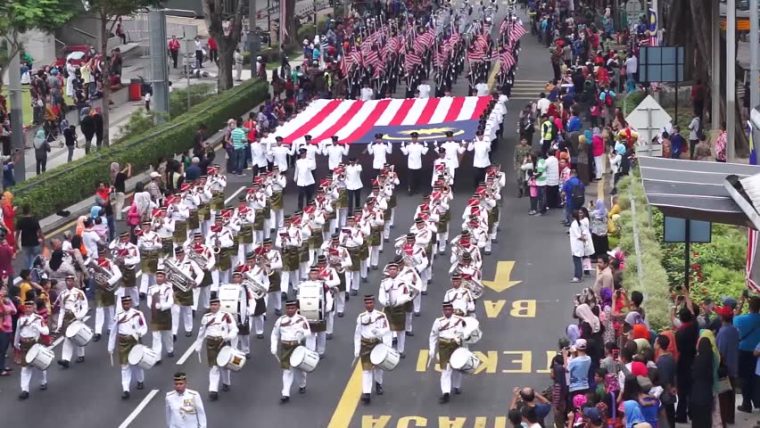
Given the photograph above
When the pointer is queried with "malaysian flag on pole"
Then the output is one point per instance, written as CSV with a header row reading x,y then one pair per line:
x,y
411,59
506,59
476,55
517,31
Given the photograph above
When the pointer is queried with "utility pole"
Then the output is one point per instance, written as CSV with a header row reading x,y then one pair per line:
x,y
731,78
715,84
253,35
18,143
754,55
159,64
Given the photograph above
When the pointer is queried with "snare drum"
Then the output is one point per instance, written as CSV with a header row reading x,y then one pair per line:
x,y
384,357
79,333
311,300
142,356
472,332
230,358
464,361
39,356
304,359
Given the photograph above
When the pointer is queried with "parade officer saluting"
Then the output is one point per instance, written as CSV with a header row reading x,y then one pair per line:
x,y
371,329
184,408
289,332
445,338
217,327
28,331
129,326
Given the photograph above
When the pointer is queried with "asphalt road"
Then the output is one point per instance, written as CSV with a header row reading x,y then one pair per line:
x,y
521,326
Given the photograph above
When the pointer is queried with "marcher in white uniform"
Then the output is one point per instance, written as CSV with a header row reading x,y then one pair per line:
x,y
217,327
74,307
445,338
160,303
28,331
371,329
379,149
128,326
334,151
289,332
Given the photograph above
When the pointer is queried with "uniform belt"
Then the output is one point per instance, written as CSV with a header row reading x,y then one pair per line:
x,y
443,340
290,342
370,341
126,335
28,339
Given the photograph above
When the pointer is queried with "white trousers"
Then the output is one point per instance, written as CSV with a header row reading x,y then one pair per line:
x,y
442,239
317,342
342,213
340,304
400,340
417,303
274,299
288,278
288,375
220,277
355,279
449,376
26,377
201,297
364,267
126,376
146,280
187,318
374,255
599,166
330,322
161,339
244,249
257,323
387,230
102,314
214,373
68,349
267,229
393,216
279,218
408,322
368,376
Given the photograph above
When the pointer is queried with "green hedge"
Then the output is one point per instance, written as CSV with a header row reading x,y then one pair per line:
x,y
76,181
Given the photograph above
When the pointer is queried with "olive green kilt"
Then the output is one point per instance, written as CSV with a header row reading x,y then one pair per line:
x,y
149,262
375,237
183,298
167,247
445,349
342,284
126,343
194,221
286,350
258,220
268,209
443,222
180,232
160,320
365,350
303,252
224,258
207,279
392,202
244,326
274,282
104,298
68,318
128,276
26,345
213,346
204,212
290,259
409,307
492,216
276,200
217,201
318,326
261,307
246,234
364,251
316,239
342,198
396,317
331,215
355,254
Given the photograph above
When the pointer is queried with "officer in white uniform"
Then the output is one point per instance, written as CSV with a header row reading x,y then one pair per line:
x,y
379,149
445,338
289,332
371,329
334,152
129,326
74,307
217,327
29,328
184,408
460,297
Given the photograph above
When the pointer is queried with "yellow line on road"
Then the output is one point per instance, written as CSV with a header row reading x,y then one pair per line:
x,y
492,75
346,407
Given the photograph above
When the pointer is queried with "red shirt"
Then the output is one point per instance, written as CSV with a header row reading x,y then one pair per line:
x,y
212,43
174,45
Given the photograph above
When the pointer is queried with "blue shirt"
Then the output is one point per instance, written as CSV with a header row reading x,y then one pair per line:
x,y
574,124
728,346
749,329
568,189
578,368
676,145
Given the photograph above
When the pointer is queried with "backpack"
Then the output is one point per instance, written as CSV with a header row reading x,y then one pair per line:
x,y
608,99
578,195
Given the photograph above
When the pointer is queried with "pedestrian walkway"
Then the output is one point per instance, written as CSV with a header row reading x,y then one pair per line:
x,y
527,90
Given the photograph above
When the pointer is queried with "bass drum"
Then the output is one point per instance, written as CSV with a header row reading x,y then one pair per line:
x,y
464,361
232,299
311,300
472,333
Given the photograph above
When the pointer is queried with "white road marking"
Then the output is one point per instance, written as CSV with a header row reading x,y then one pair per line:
x,y
187,353
234,195
63,335
140,407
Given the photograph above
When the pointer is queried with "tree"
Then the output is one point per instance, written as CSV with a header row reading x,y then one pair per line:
x,y
225,26
108,12
19,16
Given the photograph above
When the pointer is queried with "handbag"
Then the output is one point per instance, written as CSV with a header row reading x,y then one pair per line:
x,y
724,385
133,217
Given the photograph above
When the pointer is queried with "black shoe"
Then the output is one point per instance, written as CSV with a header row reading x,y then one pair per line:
x,y
457,391
340,314
348,297
170,354
158,363
354,293
140,386
174,337
213,396
417,314
23,396
494,241
96,338
80,359
143,296
193,313
365,398
379,388
322,356
248,355
284,399
409,333
125,395
188,334
225,387
488,253
387,239
329,336
402,355
394,341
63,363
424,293
43,387
441,252
278,312
302,390
743,408
259,335
444,399
365,280
374,267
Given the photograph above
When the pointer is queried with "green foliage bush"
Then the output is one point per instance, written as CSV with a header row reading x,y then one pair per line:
x,y
76,181
197,93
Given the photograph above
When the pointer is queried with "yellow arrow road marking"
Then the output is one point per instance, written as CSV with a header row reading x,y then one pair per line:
x,y
502,279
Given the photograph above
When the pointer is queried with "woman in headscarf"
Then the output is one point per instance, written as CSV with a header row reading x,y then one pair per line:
x,y
599,229
58,267
704,380
41,149
9,217
584,313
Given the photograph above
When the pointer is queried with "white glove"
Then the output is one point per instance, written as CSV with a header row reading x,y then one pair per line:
x,y
356,354
110,350
273,351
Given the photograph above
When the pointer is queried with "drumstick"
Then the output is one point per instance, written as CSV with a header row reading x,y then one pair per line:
x,y
111,356
353,361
